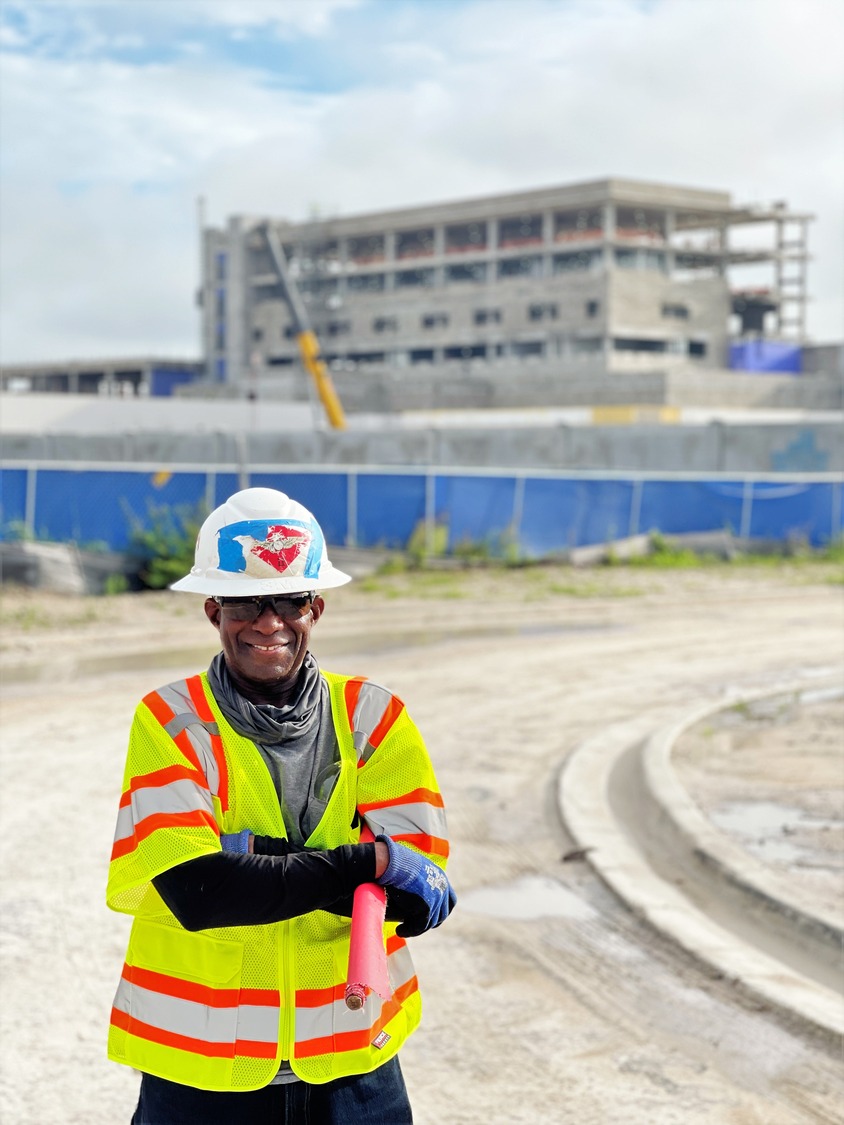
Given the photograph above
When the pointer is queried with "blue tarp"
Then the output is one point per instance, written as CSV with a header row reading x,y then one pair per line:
x,y
766,355
540,515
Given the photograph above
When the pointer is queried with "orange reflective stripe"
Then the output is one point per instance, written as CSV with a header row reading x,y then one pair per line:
x,y
144,828
357,1040
426,796
160,710
203,710
351,692
163,713
395,943
317,997
162,777
391,712
433,845
201,993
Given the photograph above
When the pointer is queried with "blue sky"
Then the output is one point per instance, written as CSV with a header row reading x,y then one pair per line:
x,y
116,115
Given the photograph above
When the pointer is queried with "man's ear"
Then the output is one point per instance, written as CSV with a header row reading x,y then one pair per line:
x,y
317,607
212,612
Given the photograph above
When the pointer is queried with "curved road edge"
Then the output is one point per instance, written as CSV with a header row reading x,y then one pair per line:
x,y
621,799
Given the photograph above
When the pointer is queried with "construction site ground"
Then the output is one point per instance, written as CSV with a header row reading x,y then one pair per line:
x,y
546,1000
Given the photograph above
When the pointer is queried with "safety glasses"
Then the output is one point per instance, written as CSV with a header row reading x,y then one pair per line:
x,y
289,607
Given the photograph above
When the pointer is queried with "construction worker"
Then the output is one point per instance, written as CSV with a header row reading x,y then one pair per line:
x,y
237,851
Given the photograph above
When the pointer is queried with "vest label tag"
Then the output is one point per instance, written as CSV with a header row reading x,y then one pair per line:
x,y
381,1040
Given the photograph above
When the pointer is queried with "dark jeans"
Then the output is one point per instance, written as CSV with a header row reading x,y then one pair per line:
x,y
379,1098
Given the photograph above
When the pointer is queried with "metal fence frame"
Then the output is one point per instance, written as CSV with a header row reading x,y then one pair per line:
x,y
540,513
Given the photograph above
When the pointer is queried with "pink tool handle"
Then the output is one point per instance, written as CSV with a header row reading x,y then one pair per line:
x,y
367,955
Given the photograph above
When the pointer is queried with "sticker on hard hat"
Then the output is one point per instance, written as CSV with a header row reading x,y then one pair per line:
x,y
267,549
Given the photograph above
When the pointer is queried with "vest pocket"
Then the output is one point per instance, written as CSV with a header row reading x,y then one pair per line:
x,y
182,989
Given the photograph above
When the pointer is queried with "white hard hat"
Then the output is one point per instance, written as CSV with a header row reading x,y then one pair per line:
x,y
260,542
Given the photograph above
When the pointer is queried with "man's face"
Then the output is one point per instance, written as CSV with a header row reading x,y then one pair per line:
x,y
265,655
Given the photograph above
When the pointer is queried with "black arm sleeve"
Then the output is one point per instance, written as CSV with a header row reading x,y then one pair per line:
x,y
225,889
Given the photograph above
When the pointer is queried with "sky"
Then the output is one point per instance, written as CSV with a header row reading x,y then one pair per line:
x,y
116,116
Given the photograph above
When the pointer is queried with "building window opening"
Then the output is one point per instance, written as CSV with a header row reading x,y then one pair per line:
x,y
257,334
385,324
583,260
415,243
280,361
474,271
366,248
520,267
435,320
463,238
626,259
421,355
338,327
640,224
367,357
466,352
366,283
524,230
487,316
676,312
697,349
631,344
524,349
578,226
411,279
547,311
319,256
220,265
289,332
593,308
587,345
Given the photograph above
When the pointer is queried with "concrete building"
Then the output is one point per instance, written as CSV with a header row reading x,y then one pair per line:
x,y
611,276
122,377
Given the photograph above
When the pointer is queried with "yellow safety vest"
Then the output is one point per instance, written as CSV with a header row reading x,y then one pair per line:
x,y
220,1009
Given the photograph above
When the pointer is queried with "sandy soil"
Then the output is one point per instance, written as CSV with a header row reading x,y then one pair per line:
x,y
545,1000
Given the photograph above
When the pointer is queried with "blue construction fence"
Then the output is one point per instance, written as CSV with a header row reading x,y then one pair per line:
x,y
536,514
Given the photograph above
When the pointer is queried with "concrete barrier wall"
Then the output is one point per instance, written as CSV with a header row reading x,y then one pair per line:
x,y
715,447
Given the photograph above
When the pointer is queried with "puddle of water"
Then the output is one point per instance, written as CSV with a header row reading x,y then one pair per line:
x,y
765,825
526,899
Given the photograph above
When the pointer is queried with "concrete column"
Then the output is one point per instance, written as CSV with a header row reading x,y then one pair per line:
x,y
237,306
389,259
609,232
547,241
439,254
670,226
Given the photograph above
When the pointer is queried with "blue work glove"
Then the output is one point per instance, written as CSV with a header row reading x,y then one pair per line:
x,y
424,890
236,842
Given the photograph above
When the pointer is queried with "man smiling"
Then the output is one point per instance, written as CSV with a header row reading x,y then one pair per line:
x,y
238,847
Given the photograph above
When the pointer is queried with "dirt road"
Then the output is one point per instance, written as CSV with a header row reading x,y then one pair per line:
x,y
545,1000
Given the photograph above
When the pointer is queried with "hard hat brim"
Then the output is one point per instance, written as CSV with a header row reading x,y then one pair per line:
x,y
223,583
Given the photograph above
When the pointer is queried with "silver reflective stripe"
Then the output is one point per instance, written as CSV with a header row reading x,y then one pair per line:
x,y
179,722
400,967
178,699
399,820
177,797
335,1017
372,703
256,1022
200,739
125,824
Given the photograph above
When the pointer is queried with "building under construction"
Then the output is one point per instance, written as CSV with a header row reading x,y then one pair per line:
x,y
607,277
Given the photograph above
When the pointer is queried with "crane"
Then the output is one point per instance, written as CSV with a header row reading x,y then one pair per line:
x,y
305,336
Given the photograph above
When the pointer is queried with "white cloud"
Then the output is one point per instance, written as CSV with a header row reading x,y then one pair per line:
x,y
104,159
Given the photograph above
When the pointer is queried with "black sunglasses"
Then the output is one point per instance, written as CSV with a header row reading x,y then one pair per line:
x,y
289,607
